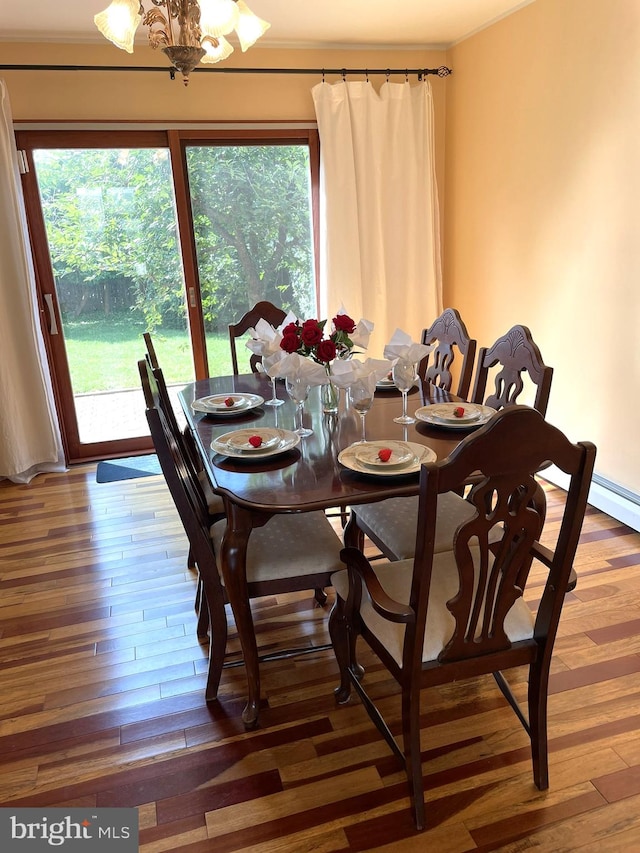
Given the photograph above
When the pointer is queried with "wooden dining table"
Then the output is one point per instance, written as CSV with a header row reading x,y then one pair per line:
x,y
309,477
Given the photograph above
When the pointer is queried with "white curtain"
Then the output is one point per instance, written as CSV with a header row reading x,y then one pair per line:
x,y
380,233
29,435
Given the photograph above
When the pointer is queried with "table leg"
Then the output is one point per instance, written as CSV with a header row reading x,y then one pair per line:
x,y
233,566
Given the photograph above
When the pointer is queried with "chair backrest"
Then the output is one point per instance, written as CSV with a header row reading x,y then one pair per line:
x,y
191,505
516,353
448,332
260,311
175,461
184,438
494,550
151,350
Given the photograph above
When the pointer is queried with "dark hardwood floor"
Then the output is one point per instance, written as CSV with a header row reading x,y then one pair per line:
x,y
101,701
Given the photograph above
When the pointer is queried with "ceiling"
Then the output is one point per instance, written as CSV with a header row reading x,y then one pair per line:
x,y
300,23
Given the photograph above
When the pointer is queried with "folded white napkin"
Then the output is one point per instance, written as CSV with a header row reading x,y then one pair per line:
x,y
347,373
401,346
264,340
362,333
292,365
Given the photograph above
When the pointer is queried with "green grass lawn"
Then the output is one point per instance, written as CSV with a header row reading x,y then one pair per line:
x,y
104,353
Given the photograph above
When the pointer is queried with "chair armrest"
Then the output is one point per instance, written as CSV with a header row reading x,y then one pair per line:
x,y
383,604
542,553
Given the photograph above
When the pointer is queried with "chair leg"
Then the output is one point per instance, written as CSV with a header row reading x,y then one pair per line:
x,y
213,603
320,596
538,689
191,561
202,627
340,640
411,740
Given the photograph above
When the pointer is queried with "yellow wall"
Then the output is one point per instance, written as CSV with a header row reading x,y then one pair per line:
x,y
539,194
542,207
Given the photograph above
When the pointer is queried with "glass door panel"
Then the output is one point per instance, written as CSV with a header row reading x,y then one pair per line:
x,y
251,208
110,223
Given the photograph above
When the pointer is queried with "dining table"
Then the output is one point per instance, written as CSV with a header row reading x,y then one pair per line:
x,y
307,477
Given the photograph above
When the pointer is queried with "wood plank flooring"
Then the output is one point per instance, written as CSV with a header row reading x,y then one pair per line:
x,y
101,701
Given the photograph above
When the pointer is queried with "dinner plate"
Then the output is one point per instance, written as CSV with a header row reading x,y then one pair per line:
x,y
215,405
367,454
287,440
239,440
441,414
385,383
348,458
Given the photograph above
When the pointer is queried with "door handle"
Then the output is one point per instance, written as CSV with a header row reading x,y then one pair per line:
x,y
53,326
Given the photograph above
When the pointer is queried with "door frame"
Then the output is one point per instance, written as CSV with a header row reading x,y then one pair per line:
x,y
176,142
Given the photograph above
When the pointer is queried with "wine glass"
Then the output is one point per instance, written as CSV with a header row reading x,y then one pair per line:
x,y
268,363
275,400
361,398
404,377
298,390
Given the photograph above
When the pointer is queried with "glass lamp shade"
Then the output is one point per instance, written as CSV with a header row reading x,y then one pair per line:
x,y
218,17
249,27
119,22
215,54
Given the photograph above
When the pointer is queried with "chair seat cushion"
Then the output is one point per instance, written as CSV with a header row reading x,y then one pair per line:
x,y
215,504
395,579
394,522
288,546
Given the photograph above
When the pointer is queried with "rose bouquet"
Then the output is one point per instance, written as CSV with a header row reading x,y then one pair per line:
x,y
307,338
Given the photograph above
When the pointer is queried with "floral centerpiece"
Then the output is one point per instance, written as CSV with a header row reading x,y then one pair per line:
x,y
307,338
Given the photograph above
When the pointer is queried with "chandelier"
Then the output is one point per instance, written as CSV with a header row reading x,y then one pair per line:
x,y
189,31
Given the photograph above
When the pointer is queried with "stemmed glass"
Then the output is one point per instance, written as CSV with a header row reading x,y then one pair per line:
x,y
404,377
275,400
298,390
361,398
268,363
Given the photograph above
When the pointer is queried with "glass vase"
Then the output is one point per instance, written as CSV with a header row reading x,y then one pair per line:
x,y
330,396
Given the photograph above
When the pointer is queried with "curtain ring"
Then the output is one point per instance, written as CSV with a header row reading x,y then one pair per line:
x,y
344,75
366,75
323,75
406,75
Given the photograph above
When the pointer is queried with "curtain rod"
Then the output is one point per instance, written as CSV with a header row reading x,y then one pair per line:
x,y
442,71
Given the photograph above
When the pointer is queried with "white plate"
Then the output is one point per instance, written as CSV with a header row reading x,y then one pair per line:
x,y
348,458
239,440
385,383
441,414
287,441
215,405
367,454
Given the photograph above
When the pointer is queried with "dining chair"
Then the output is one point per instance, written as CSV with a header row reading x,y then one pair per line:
x,y
213,502
391,524
311,555
443,617
513,357
260,311
449,334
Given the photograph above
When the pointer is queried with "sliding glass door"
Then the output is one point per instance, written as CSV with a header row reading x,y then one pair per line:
x,y
175,234
251,211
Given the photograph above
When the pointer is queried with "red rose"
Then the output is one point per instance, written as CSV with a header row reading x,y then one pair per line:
x,y
289,342
326,351
343,323
290,329
311,333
